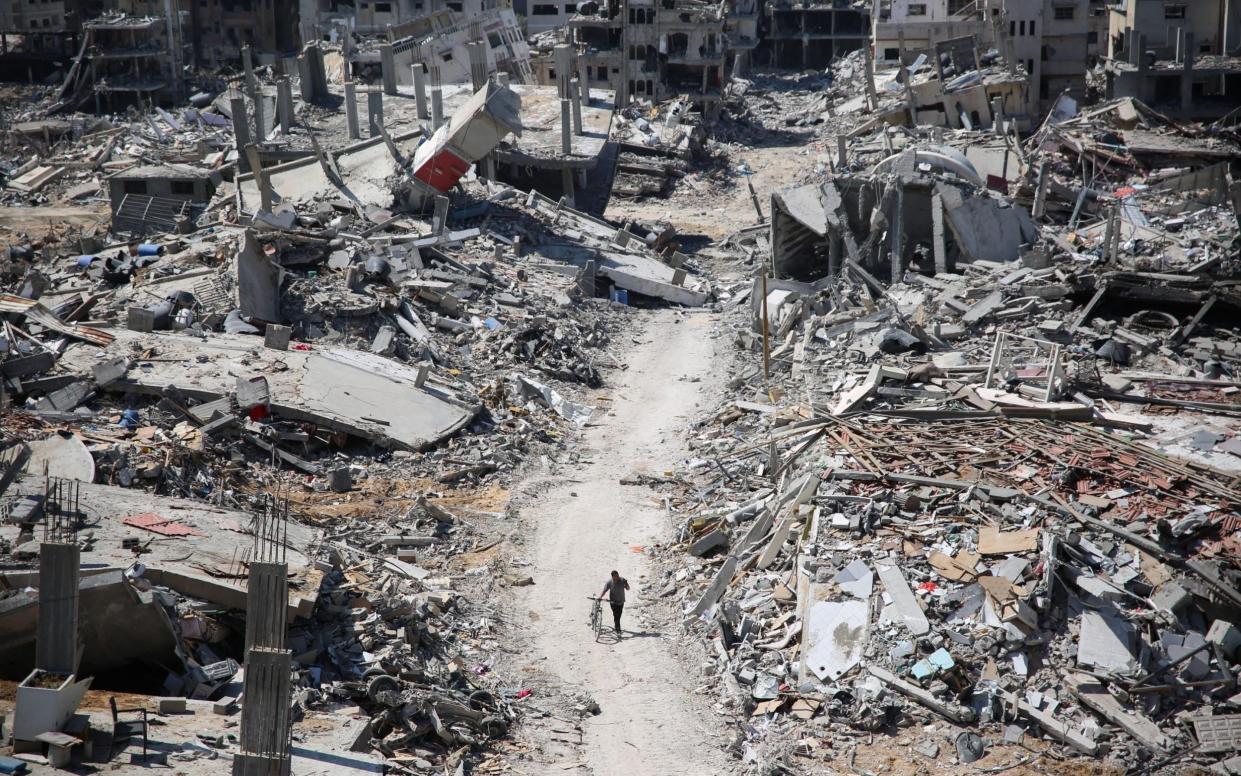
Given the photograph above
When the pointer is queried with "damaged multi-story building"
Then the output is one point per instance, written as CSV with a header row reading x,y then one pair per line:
x,y
128,59
1178,57
810,34
36,35
654,51
1055,42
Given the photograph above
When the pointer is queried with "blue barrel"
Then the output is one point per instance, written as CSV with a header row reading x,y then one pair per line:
x,y
85,261
150,249
620,295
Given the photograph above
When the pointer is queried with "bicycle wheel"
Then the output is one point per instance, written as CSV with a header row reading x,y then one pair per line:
x,y
596,619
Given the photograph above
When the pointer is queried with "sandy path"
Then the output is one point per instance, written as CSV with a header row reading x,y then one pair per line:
x,y
650,723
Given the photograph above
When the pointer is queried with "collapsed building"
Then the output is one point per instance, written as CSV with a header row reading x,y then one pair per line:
x,y
975,503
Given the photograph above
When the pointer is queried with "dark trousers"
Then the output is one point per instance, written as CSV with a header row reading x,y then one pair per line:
x,y
616,613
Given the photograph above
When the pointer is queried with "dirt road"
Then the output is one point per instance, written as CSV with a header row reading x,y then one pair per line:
x,y
650,723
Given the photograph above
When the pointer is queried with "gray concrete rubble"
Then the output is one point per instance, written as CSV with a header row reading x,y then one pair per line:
x,y
295,332
286,390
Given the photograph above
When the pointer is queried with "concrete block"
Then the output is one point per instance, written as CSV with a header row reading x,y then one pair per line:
x,y
225,705
140,319
277,337
170,705
340,480
1227,636
707,543
1171,597
110,371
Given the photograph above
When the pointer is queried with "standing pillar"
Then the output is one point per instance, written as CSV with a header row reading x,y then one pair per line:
x,y
842,152
387,65
563,55
305,81
997,116
57,642
420,90
1040,192
260,178
241,128
437,107
575,89
247,64
260,117
284,103
566,180
566,134
351,110
939,243
374,110
1187,76
477,52
898,234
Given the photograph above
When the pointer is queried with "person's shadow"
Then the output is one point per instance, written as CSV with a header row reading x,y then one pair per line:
x,y
610,636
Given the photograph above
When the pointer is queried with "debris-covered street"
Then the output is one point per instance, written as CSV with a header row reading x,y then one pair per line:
x,y
620,389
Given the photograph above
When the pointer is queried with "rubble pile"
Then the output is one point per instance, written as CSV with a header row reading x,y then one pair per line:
x,y
331,329
987,496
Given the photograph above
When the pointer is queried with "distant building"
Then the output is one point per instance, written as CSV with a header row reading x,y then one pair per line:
x,y
439,42
127,59
221,28
644,49
38,36
811,34
1177,57
1054,41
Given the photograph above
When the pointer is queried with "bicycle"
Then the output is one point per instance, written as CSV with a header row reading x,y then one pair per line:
x,y
596,616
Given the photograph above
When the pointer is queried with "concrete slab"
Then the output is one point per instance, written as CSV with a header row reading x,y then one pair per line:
x,y
354,392
1106,643
836,636
61,456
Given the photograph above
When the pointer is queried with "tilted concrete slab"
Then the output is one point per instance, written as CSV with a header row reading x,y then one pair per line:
x,y
366,170
344,390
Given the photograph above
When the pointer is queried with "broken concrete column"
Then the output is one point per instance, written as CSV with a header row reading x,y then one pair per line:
x,y
842,152
566,180
420,90
260,177
997,116
575,97
477,52
437,107
351,110
1040,191
897,231
260,116
374,111
57,641
314,73
284,104
566,132
305,82
247,65
387,65
439,218
241,130
563,55
1187,75
939,242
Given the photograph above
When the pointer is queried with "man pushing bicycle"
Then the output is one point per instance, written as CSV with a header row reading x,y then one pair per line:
x,y
615,589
